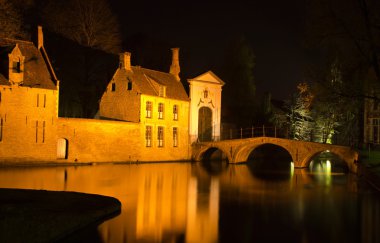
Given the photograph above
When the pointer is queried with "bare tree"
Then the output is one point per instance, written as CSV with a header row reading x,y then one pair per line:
x,y
349,30
10,21
90,23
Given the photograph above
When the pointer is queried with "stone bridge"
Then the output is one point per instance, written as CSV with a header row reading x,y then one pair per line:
x,y
238,150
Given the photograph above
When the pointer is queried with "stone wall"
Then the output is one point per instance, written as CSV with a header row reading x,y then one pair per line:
x,y
28,123
92,140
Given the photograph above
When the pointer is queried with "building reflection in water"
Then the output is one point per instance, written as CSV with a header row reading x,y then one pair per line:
x,y
183,202
203,210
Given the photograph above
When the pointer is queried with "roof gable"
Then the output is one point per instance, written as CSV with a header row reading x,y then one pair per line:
x,y
36,72
208,77
16,51
149,81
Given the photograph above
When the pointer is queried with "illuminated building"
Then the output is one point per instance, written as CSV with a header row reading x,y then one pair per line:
x,y
28,101
144,114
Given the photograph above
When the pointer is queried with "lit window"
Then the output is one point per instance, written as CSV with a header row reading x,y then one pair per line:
x,y
148,109
175,112
113,88
160,111
162,91
175,136
160,136
38,100
148,136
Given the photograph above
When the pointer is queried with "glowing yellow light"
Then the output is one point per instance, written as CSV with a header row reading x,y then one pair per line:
x,y
328,172
291,169
328,166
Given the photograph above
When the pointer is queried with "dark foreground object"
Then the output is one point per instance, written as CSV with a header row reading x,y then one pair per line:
x,y
45,216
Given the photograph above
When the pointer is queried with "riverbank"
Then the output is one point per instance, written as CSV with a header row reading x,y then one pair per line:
x,y
46,216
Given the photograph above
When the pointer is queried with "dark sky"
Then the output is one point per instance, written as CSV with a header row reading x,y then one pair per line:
x,y
204,29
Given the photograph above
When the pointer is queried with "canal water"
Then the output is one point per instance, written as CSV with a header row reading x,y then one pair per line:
x,y
217,202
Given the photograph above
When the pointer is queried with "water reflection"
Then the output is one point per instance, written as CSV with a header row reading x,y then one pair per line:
x,y
184,202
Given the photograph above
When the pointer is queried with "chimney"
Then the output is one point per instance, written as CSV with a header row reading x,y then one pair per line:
x,y
174,68
40,38
125,61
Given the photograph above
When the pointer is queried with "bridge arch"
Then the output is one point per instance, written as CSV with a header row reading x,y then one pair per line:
x,y
206,152
242,154
308,159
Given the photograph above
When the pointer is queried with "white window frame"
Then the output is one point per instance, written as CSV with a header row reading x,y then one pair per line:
x,y
148,136
160,136
161,109
148,109
175,136
175,112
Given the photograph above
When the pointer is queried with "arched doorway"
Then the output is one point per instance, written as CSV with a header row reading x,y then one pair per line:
x,y
205,124
62,148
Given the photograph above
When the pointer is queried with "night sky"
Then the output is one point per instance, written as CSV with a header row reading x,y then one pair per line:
x,y
203,30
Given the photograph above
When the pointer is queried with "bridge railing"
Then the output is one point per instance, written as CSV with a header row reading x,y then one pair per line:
x,y
273,131
257,131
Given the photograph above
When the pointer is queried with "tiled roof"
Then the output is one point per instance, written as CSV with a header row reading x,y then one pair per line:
x,y
36,72
148,81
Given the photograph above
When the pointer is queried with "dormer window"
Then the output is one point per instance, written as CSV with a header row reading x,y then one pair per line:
x,y
162,91
16,67
113,88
